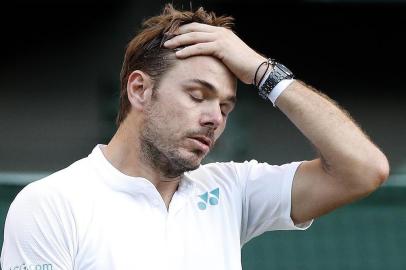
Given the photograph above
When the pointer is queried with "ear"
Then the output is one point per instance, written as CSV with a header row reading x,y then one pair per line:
x,y
139,89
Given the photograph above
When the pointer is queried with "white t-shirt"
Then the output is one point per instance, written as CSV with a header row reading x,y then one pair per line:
x,y
90,216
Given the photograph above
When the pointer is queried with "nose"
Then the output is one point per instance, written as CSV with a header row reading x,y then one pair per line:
x,y
212,117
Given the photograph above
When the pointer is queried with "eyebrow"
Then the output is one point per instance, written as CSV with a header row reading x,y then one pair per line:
x,y
212,88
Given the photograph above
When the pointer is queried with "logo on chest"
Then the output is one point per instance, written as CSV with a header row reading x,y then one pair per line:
x,y
209,198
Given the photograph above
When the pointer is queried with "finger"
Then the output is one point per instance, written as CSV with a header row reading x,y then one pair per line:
x,y
188,39
195,27
207,48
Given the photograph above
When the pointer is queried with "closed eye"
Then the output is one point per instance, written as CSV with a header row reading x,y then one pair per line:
x,y
196,94
196,98
226,109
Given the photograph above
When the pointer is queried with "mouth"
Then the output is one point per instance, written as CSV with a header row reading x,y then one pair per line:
x,y
202,142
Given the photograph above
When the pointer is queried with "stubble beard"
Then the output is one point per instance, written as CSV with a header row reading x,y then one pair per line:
x,y
159,154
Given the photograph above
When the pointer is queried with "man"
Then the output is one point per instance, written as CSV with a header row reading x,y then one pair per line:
x,y
144,201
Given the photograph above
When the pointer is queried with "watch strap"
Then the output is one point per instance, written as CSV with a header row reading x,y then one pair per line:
x,y
272,78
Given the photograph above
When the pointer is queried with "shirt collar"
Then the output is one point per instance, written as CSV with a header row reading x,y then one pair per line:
x,y
119,181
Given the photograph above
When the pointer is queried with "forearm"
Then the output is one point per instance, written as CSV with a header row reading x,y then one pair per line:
x,y
346,152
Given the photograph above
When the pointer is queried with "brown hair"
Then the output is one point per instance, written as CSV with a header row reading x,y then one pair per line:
x,y
145,51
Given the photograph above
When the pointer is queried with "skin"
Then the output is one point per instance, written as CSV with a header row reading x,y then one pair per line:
x,y
207,93
155,141
350,166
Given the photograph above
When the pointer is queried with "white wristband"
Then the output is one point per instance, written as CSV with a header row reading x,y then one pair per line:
x,y
278,89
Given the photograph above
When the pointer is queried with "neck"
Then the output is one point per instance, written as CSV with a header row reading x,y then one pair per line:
x,y
124,153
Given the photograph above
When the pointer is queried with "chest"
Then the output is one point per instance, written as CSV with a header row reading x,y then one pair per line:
x,y
143,234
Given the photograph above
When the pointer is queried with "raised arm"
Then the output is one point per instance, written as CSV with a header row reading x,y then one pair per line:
x,y
350,165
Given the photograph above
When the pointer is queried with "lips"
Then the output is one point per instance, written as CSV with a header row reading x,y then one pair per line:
x,y
202,142
203,139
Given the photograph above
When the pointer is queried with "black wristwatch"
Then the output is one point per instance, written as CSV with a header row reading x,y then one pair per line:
x,y
279,72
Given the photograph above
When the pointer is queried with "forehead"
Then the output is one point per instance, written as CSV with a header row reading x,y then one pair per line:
x,y
205,68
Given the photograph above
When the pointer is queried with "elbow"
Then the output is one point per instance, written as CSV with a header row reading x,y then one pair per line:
x,y
382,170
374,173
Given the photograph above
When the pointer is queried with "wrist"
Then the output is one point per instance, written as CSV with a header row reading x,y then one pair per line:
x,y
278,74
278,89
259,68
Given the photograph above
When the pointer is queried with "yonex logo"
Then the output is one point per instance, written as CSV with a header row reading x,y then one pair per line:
x,y
211,197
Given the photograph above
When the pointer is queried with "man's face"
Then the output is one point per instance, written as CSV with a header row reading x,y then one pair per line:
x,y
187,114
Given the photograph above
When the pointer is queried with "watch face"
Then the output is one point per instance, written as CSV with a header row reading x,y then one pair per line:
x,y
284,69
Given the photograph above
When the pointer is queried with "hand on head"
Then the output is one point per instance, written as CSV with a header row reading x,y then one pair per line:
x,y
204,39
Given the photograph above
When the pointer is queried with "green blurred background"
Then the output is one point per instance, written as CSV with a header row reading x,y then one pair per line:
x,y
59,83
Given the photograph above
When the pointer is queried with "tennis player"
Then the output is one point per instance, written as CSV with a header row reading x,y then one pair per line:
x,y
145,201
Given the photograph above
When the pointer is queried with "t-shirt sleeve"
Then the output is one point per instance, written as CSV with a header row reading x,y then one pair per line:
x,y
39,231
266,198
